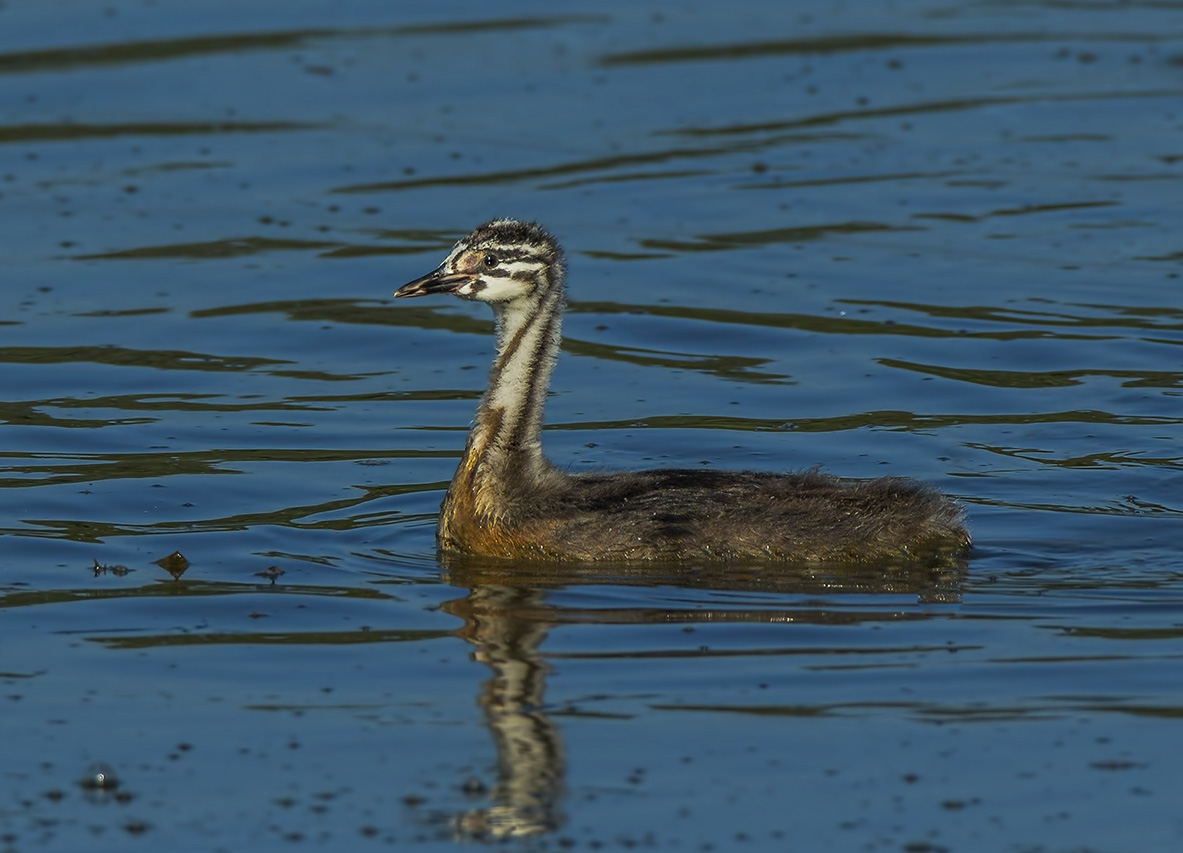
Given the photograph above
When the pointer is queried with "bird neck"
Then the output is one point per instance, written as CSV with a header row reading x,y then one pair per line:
x,y
506,442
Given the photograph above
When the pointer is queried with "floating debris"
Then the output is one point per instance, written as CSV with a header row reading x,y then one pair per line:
x,y
272,573
102,569
175,564
99,777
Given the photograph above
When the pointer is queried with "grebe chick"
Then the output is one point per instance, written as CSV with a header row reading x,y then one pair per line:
x,y
507,500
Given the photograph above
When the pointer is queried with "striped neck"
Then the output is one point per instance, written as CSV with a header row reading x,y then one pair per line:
x,y
506,442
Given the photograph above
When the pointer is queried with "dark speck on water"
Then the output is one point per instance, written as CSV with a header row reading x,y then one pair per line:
x,y
928,239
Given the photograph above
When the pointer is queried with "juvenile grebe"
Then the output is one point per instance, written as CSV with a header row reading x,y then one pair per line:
x,y
507,500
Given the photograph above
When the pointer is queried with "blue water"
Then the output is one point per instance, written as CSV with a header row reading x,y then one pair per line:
x,y
934,240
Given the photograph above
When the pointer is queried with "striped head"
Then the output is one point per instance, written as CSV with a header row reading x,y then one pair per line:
x,y
501,261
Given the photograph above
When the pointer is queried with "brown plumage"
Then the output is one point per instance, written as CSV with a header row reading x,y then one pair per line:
x,y
507,500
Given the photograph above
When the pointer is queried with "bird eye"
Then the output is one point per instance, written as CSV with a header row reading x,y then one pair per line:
x,y
490,260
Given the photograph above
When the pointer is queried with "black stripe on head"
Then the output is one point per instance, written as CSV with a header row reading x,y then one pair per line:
x,y
517,240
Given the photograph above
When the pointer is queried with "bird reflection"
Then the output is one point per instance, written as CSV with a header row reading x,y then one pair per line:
x,y
507,617
498,622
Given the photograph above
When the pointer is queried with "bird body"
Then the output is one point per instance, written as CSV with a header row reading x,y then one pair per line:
x,y
507,500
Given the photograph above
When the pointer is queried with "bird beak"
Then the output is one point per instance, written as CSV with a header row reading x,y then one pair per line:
x,y
437,281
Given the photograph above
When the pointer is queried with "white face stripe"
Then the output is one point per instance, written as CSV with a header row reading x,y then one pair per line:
x,y
519,266
508,248
495,289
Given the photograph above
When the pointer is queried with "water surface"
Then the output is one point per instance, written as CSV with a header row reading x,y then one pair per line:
x,y
934,240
